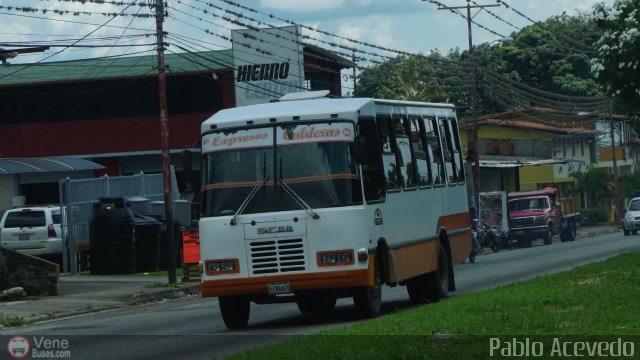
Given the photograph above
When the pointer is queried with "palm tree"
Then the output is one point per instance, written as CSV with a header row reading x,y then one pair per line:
x,y
594,184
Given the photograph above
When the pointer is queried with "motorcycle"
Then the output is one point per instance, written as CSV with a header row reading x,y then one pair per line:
x,y
492,238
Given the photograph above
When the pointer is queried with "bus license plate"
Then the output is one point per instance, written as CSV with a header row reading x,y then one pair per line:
x,y
23,237
279,288
520,232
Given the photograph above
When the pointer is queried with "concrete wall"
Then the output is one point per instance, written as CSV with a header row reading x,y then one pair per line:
x,y
531,176
7,191
36,276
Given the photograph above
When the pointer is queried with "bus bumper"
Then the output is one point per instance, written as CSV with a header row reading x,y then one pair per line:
x,y
298,282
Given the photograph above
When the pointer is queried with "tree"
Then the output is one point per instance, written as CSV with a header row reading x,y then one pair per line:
x,y
431,78
629,185
617,65
594,184
548,57
544,56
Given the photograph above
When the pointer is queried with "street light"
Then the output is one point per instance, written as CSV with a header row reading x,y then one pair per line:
x,y
10,54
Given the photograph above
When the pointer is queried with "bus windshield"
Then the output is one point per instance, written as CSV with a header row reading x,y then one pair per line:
x,y
314,160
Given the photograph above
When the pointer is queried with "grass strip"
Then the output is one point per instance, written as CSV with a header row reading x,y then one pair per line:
x,y
598,302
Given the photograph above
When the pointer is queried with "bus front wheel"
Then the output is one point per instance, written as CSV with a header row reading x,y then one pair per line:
x,y
235,311
368,299
432,286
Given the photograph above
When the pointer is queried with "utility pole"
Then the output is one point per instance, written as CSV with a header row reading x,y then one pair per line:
x,y
353,56
164,144
472,133
616,187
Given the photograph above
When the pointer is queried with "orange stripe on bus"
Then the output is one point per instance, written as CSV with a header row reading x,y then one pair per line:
x,y
299,282
413,260
460,244
287,181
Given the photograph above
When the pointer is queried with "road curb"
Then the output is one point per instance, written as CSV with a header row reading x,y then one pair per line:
x,y
172,293
140,298
598,232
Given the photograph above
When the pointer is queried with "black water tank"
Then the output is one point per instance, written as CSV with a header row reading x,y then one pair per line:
x,y
112,238
164,243
148,232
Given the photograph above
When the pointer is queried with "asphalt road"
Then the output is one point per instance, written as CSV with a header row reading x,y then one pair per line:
x,y
192,327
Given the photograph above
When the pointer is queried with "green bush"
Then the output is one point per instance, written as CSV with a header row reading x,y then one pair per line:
x,y
593,216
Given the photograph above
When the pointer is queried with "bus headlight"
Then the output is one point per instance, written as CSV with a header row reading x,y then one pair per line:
x,y
334,258
224,266
329,258
344,257
213,267
227,266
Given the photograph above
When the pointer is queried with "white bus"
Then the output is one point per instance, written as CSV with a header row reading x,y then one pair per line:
x,y
311,200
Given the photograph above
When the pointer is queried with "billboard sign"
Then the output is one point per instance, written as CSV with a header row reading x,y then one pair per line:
x,y
268,63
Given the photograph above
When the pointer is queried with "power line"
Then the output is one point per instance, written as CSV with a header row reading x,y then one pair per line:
x,y
67,21
586,48
316,30
239,23
54,54
280,82
116,41
74,45
31,10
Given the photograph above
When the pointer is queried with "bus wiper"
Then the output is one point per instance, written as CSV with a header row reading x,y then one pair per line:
x,y
250,197
299,200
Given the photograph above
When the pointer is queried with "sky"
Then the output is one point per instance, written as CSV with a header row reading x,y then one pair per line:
x,y
414,26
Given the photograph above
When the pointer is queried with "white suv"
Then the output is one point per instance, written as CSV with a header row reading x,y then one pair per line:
x,y
33,230
632,217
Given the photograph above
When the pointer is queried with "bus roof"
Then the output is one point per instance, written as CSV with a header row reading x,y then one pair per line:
x,y
347,108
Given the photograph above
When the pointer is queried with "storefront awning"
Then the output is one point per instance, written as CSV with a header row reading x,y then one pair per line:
x,y
10,166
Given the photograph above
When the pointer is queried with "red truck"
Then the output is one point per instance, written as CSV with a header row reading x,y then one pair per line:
x,y
539,214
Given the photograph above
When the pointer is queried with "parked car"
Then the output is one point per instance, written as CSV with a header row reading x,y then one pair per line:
x,y
631,222
33,230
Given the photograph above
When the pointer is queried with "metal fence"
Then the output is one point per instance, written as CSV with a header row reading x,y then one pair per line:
x,y
78,196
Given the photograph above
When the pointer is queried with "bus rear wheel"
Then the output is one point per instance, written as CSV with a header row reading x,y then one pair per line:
x,y
433,286
235,311
368,299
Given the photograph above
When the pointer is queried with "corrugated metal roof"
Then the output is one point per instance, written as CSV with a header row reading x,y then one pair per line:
x,y
113,68
526,124
518,162
45,165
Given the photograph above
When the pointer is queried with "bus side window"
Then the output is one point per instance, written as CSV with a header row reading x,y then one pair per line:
x,y
416,131
372,172
434,149
406,161
447,151
389,153
457,149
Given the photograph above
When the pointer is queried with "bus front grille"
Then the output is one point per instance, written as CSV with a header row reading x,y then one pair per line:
x,y
277,256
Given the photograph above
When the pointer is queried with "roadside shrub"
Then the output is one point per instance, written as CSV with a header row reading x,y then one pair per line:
x,y
593,216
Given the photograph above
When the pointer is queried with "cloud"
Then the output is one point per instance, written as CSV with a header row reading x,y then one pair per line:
x,y
302,6
374,29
